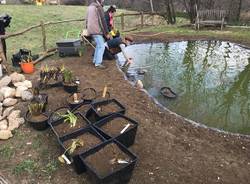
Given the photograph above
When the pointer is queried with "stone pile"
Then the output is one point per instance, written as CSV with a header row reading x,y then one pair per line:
x,y
13,88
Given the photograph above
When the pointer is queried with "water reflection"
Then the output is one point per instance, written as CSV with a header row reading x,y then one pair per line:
x,y
211,79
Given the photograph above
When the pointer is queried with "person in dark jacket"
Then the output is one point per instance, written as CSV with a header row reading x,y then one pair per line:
x,y
109,17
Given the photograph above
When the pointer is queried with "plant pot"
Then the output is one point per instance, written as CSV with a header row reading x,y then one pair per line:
x,y
71,103
89,95
90,137
115,126
107,107
39,124
27,68
54,116
61,128
82,108
42,98
70,88
100,98
101,166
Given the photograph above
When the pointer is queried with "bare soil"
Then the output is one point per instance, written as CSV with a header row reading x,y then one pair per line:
x,y
38,118
104,162
65,127
89,141
170,149
115,126
105,109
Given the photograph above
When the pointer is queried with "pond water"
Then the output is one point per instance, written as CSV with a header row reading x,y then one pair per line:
x,y
211,79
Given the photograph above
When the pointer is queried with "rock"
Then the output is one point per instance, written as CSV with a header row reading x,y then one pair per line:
x,y
25,83
9,102
26,95
3,125
1,109
8,92
19,90
1,97
139,84
5,134
5,81
14,120
16,77
7,111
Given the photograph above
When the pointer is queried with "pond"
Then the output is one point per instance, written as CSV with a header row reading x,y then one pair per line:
x,y
211,79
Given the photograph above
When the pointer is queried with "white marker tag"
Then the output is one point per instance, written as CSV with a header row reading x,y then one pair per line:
x,y
66,159
125,128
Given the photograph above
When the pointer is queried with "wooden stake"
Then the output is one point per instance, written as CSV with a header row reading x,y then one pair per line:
x,y
104,92
122,21
44,36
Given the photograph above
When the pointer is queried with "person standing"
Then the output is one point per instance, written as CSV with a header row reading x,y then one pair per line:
x,y
109,17
97,28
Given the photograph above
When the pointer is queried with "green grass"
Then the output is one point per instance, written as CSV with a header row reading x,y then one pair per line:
x,y
6,152
26,166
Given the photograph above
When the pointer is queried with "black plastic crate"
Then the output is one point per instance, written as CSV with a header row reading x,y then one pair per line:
x,y
53,124
127,138
77,162
120,176
68,47
82,108
93,115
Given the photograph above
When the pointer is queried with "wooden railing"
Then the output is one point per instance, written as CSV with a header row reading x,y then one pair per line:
x,y
43,25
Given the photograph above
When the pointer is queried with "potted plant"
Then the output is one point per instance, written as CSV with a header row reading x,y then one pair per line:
x,y
69,84
38,97
68,124
27,65
77,143
35,116
50,77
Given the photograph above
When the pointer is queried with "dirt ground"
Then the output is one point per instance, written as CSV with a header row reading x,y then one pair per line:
x,y
169,148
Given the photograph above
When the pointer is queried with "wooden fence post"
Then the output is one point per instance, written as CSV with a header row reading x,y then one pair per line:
x,y
44,36
2,54
142,20
153,19
122,21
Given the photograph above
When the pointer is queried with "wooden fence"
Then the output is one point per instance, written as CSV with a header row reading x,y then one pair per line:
x,y
43,25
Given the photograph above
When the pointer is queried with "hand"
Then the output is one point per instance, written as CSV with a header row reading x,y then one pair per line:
x,y
108,36
130,61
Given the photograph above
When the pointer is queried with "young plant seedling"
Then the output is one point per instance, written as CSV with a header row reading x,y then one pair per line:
x,y
36,108
67,76
75,143
70,118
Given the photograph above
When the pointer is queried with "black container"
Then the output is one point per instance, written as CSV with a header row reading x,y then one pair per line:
x,y
127,138
70,88
82,108
77,162
54,115
42,125
93,116
120,176
61,120
89,100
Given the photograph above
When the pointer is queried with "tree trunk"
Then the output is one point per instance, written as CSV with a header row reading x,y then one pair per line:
x,y
152,6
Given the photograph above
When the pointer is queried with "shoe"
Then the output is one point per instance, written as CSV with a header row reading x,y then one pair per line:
x,y
100,66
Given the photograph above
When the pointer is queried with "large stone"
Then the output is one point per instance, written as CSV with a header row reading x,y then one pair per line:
x,y
1,97
8,92
14,120
20,90
16,77
9,102
5,134
25,83
5,81
7,112
3,124
26,95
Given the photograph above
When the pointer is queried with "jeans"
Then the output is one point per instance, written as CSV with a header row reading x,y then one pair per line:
x,y
99,50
